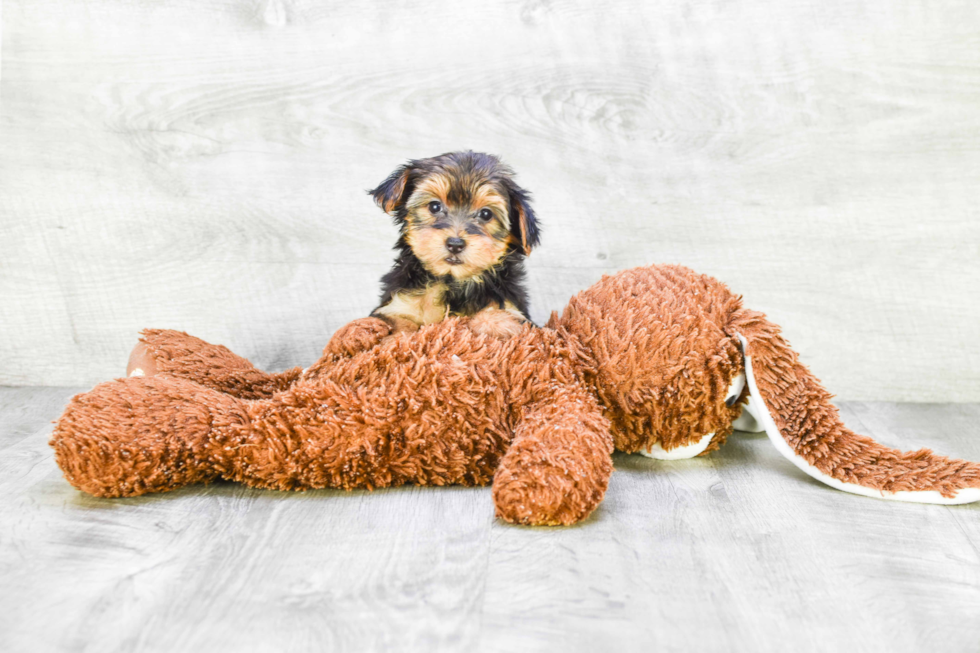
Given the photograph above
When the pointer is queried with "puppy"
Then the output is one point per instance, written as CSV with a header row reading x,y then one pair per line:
x,y
465,229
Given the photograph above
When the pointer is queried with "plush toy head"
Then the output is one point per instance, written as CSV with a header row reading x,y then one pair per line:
x,y
663,357
677,357
651,360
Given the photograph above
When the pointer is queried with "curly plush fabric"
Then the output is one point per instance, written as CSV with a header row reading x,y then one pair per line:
x,y
642,358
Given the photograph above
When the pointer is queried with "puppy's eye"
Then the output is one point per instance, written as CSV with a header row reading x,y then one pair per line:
x,y
435,207
486,215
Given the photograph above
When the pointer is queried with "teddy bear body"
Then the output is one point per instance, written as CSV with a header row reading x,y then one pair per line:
x,y
642,359
438,407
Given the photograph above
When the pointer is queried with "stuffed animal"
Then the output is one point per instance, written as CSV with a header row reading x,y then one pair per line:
x,y
656,360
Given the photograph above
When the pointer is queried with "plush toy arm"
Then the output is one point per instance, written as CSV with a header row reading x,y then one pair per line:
x,y
164,351
349,340
558,465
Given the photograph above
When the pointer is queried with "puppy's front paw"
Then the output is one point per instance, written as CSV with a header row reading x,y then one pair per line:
x,y
497,323
401,324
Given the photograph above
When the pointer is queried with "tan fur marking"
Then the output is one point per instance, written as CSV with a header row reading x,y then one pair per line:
x,y
429,246
433,187
397,191
482,251
522,220
486,196
425,307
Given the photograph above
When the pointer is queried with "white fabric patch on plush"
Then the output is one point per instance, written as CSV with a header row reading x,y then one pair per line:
x,y
747,421
678,453
762,415
693,449
136,372
735,388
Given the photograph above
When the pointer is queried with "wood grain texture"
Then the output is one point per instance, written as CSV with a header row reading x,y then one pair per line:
x,y
201,166
738,551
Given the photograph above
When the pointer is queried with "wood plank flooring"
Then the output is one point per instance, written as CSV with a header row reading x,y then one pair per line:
x,y
735,552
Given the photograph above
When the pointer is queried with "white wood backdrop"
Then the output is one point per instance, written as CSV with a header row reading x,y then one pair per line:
x,y
201,165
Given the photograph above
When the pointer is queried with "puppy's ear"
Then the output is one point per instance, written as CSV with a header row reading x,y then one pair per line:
x,y
391,194
523,223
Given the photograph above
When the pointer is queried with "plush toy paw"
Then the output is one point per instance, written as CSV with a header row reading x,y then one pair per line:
x,y
349,340
141,361
357,336
401,324
545,493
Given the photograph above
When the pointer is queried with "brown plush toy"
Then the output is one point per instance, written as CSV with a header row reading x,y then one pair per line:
x,y
653,360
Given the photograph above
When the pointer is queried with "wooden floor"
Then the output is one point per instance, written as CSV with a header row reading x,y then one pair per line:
x,y
736,552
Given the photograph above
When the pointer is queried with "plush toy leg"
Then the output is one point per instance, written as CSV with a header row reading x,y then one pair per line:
x,y
558,465
806,428
143,434
163,351
350,340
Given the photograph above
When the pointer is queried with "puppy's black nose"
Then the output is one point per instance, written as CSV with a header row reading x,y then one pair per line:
x,y
455,245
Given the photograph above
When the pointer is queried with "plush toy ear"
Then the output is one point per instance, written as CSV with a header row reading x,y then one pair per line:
x,y
523,223
391,194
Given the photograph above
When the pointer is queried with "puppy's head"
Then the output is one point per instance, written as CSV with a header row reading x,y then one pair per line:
x,y
461,213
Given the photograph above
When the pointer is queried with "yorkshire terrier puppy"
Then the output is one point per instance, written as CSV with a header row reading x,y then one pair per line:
x,y
465,229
